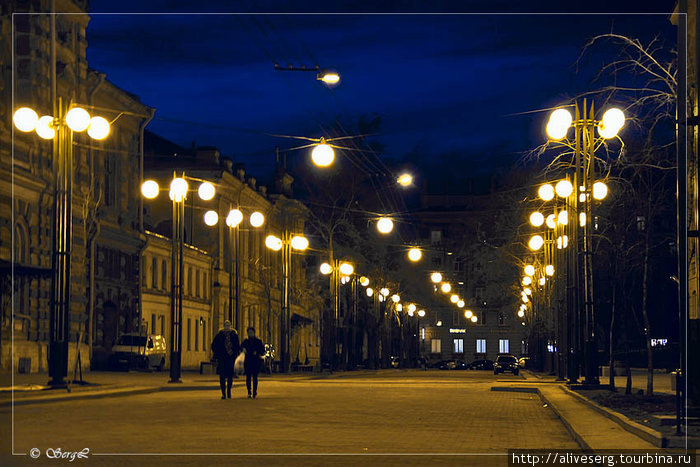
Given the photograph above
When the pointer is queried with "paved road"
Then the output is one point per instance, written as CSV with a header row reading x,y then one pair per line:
x,y
390,412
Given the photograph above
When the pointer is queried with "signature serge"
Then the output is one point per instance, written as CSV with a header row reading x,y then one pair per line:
x,y
58,453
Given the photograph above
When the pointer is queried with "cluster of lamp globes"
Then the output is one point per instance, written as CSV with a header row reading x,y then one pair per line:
x,y
528,280
560,121
347,269
563,189
77,119
206,191
446,287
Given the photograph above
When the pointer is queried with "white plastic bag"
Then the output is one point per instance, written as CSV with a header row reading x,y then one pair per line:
x,y
238,364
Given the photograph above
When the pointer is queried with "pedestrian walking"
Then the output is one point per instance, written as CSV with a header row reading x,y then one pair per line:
x,y
225,347
254,351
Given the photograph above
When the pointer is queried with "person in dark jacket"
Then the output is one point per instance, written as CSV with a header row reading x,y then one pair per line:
x,y
254,352
225,348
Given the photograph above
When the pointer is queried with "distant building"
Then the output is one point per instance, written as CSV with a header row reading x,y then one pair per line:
x,y
459,236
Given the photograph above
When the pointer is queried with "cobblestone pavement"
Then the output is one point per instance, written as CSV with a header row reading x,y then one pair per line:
x,y
387,418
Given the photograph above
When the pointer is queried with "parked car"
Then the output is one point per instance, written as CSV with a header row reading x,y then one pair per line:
x,y
460,365
139,351
504,363
481,365
445,365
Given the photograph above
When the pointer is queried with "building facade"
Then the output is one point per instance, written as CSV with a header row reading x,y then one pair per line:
x,y
106,243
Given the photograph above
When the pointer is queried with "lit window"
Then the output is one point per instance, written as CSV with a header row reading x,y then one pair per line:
x,y
435,346
481,346
458,345
503,346
435,236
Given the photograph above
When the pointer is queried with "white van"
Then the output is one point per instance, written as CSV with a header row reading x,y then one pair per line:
x,y
141,351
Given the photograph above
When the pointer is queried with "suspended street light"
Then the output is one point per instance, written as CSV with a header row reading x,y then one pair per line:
x,y
322,154
436,277
385,225
414,254
405,180
206,191
446,287
600,190
559,123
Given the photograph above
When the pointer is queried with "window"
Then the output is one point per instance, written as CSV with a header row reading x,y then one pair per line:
x,y
435,236
189,281
458,345
163,274
189,333
501,319
196,335
204,335
503,346
481,346
483,318
205,286
154,273
196,284
435,346
162,325
153,323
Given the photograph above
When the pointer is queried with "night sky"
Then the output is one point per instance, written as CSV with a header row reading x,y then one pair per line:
x,y
445,86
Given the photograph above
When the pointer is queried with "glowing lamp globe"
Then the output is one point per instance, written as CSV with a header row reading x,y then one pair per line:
x,y
460,303
399,307
421,313
582,219
385,225
384,291
257,219
527,291
436,277
564,188
329,78
178,189
600,190
78,119
98,128
299,242
149,189
521,313
25,119
446,287
405,180
454,298
559,123
414,254
546,192
543,280
563,217
549,270
474,319
536,242
346,269
326,269
322,155
395,298
551,221
468,314
411,307
370,292
273,243
536,219
364,281
530,270
44,127
234,218
206,191
211,218
527,280
613,120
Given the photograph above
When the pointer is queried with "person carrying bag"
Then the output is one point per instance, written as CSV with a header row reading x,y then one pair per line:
x,y
225,348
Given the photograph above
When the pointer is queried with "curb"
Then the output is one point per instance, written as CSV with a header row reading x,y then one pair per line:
x,y
646,433
80,395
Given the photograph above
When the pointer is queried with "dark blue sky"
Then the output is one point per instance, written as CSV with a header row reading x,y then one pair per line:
x,y
445,86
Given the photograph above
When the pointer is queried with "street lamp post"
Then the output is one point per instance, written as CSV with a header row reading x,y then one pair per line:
x,y
178,195
286,244
60,129
581,197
